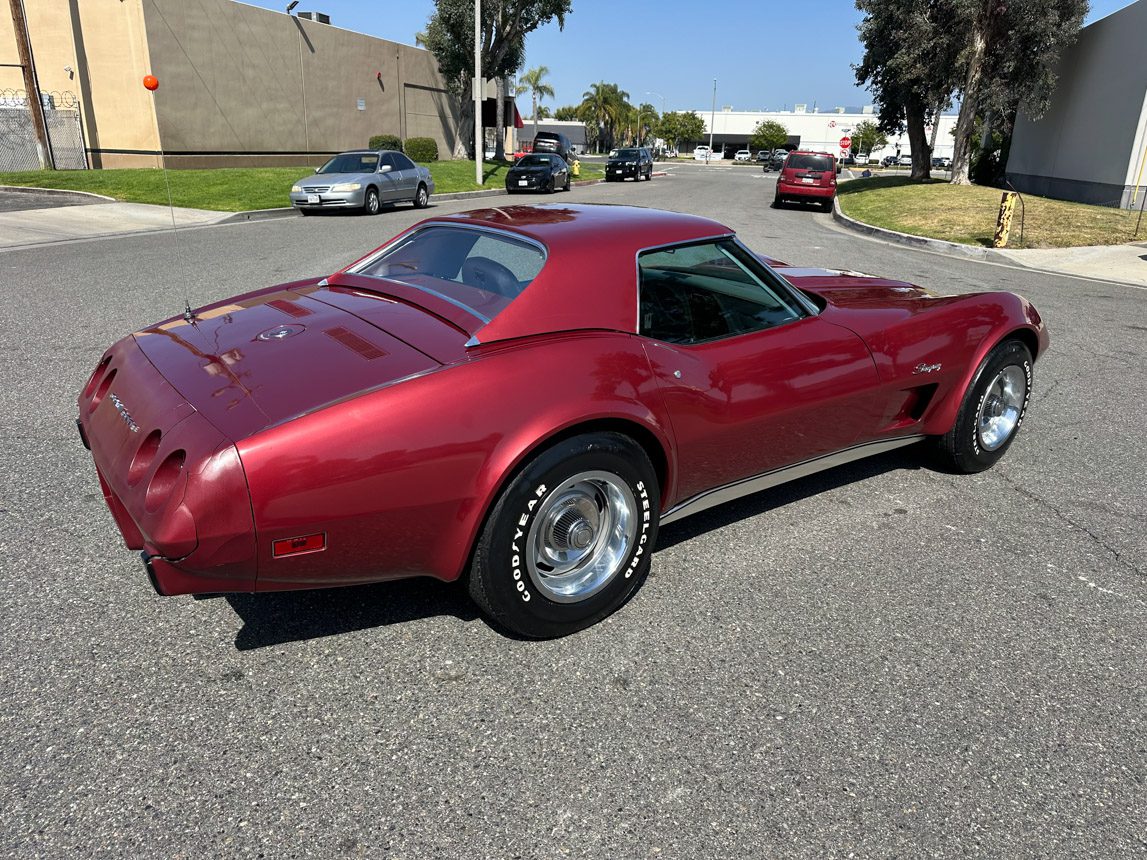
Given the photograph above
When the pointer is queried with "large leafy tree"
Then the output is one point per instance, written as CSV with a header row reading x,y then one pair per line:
x,y
449,35
769,134
533,82
604,108
867,137
1008,56
680,127
566,113
910,51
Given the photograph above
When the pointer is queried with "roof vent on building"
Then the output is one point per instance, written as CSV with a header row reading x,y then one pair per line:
x,y
726,108
800,108
317,17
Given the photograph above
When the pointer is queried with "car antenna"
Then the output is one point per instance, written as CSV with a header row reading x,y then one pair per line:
x,y
151,84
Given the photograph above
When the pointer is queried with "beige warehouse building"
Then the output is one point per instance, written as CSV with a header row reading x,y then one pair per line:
x,y
239,85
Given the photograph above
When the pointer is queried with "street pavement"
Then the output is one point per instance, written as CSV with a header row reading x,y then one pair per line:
x,y
879,661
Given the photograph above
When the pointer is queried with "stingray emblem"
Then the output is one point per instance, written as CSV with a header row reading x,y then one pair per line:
x,y
123,413
280,332
927,368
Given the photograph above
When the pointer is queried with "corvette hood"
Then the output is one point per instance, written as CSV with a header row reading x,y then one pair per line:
x,y
269,356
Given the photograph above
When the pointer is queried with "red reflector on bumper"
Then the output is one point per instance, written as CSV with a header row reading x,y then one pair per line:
x,y
299,545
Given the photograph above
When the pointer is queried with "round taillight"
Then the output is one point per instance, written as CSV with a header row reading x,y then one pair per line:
x,y
95,377
164,480
144,457
102,389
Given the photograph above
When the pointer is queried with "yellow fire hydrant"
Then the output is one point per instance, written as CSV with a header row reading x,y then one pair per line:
x,y
575,168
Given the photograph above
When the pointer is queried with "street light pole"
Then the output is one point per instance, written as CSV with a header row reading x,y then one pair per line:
x,y
479,144
712,120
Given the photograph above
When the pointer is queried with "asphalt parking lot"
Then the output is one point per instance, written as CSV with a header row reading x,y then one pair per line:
x,y
879,661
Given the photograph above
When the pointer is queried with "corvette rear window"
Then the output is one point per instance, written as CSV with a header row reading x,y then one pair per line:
x,y
480,270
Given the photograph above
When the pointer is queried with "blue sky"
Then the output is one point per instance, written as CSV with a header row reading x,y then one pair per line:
x,y
764,54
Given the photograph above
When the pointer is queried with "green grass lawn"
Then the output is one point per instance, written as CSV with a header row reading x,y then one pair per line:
x,y
238,189
967,214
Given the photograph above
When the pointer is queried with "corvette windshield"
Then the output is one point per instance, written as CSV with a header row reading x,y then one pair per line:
x,y
479,270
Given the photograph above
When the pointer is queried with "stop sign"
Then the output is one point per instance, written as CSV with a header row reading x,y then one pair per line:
x,y
846,142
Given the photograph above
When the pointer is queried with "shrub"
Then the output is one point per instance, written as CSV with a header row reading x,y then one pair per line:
x,y
422,148
386,141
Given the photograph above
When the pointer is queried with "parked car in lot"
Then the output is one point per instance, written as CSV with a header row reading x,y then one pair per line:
x,y
942,162
904,161
415,413
553,141
538,171
807,177
630,161
743,155
702,153
363,180
888,161
764,155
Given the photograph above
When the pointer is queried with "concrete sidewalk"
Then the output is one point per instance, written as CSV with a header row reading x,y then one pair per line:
x,y
1124,263
45,226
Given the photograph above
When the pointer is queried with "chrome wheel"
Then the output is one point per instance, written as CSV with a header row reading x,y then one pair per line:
x,y
1001,407
581,536
371,202
422,198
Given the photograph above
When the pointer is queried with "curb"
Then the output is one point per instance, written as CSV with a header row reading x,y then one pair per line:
x,y
259,215
954,249
938,245
290,211
28,189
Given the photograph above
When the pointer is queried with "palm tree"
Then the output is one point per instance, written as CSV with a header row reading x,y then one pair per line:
x,y
605,107
531,82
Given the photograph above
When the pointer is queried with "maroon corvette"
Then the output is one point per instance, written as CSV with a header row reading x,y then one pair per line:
x,y
520,396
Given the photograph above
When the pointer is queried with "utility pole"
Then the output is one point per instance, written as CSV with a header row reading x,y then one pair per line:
x,y
479,143
31,85
712,120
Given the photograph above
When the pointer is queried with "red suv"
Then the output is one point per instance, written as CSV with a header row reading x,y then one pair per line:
x,y
807,176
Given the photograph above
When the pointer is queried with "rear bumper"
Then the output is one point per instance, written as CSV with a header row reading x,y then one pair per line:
x,y
168,579
799,189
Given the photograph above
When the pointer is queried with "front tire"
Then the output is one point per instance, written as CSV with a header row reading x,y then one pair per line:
x,y
992,410
370,204
570,539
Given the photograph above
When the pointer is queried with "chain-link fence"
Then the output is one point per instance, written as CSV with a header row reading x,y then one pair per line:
x,y
18,150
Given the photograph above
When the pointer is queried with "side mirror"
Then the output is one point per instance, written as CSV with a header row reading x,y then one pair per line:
x,y
386,168
317,169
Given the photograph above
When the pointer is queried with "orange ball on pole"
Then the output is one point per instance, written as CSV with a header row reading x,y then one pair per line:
x,y
151,82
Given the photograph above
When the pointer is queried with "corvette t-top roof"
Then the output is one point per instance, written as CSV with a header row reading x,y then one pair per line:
x,y
589,280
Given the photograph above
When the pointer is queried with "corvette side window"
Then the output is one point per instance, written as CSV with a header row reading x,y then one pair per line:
x,y
710,290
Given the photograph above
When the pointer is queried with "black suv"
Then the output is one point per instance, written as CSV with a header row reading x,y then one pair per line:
x,y
632,161
554,141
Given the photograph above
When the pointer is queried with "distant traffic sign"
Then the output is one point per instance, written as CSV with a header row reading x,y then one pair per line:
x,y
845,142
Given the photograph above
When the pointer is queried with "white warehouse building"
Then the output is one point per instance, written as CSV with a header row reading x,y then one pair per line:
x,y
820,131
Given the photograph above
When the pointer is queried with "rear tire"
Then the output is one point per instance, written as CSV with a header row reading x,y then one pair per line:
x,y
422,197
569,540
991,412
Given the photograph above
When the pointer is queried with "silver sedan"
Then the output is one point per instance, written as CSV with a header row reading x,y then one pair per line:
x,y
363,180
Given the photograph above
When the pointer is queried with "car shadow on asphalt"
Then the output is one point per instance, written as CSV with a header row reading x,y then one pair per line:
x,y
907,459
293,616
276,618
